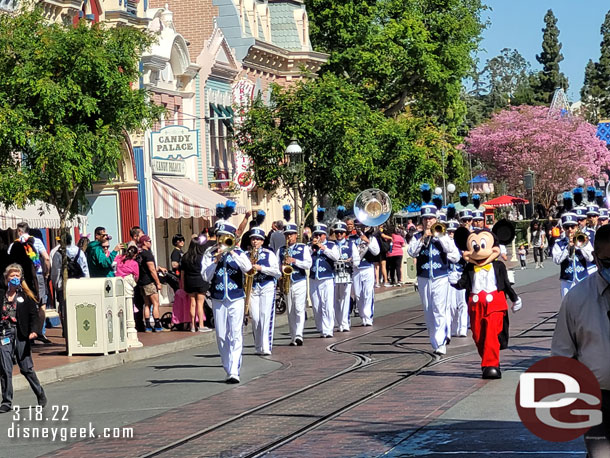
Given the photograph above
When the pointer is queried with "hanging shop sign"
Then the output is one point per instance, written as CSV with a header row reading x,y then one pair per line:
x,y
174,142
174,168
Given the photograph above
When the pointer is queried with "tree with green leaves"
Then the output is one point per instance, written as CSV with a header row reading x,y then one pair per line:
x,y
545,82
347,146
504,80
334,127
401,53
68,102
596,87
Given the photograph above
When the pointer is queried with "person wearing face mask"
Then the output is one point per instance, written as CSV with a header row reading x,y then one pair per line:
x,y
20,322
573,256
582,332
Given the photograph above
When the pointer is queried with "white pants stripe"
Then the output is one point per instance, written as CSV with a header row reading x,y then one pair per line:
x,y
229,321
342,298
364,291
433,294
295,306
459,312
262,309
322,294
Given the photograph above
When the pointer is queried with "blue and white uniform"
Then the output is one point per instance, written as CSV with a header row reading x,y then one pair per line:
x,y
262,299
322,287
347,251
364,280
574,266
226,285
296,299
432,271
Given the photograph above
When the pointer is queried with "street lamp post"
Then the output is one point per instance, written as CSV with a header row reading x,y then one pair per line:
x,y
529,181
294,158
450,190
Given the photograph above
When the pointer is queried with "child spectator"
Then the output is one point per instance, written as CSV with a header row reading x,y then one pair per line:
x,y
522,256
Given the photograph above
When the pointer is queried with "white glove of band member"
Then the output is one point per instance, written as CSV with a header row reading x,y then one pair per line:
x,y
517,305
454,277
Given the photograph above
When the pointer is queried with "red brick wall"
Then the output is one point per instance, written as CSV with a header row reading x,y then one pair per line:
x,y
193,19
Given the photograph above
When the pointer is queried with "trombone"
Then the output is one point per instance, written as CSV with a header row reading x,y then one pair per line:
x,y
580,239
438,229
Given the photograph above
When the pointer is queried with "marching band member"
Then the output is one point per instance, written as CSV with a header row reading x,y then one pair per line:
x,y
465,214
457,297
224,269
298,256
478,215
364,273
321,285
603,216
433,253
348,253
262,298
572,257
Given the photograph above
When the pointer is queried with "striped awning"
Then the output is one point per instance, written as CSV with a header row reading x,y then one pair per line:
x,y
38,215
183,198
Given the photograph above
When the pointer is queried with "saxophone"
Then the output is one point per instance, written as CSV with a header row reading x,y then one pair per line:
x,y
287,270
249,279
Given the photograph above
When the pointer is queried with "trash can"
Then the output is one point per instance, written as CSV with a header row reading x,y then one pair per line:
x,y
95,316
409,271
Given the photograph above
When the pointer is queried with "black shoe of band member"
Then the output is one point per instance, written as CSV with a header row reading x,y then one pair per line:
x,y
299,341
4,409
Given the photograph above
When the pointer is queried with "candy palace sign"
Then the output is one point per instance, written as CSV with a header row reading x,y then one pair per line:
x,y
174,142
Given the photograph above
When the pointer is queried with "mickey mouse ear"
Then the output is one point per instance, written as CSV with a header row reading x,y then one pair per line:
x,y
461,238
504,231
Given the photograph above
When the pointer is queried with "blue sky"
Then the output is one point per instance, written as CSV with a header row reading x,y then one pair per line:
x,y
518,24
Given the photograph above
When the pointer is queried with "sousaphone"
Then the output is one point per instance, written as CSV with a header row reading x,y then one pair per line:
x,y
372,207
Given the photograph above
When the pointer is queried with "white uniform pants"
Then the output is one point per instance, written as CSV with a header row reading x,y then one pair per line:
x,y
433,294
229,321
566,286
342,298
295,306
262,312
364,291
459,312
322,294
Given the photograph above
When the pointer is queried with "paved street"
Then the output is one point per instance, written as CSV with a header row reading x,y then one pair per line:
x,y
372,392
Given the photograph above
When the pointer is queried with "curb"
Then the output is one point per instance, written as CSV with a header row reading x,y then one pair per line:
x,y
100,363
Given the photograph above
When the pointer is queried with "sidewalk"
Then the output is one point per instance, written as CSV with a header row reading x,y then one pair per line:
x,y
52,364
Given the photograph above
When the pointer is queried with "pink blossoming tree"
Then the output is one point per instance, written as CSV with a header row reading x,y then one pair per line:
x,y
559,149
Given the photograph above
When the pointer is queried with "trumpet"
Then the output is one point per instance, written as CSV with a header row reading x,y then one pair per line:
x,y
580,239
249,280
438,229
227,242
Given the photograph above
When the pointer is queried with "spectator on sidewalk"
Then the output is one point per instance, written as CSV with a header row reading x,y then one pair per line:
x,y
276,238
176,256
385,246
522,256
20,323
99,260
135,233
193,283
537,240
394,258
582,332
149,284
77,268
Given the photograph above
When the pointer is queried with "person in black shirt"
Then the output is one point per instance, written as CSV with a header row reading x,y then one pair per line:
x,y
20,322
149,284
176,256
194,284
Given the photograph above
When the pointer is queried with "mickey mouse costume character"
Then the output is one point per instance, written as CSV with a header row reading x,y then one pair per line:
x,y
486,282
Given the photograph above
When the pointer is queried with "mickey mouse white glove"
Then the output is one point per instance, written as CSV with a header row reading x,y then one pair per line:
x,y
454,277
517,305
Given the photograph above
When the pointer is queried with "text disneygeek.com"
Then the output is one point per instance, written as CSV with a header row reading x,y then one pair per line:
x,y
32,423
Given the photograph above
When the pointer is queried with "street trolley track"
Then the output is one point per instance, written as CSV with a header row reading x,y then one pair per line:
x,y
378,376
291,405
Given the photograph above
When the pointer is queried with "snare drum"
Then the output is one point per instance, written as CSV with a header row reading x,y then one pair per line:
x,y
343,273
